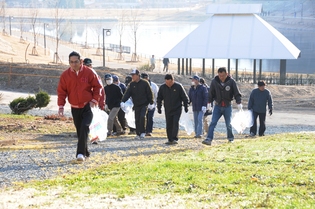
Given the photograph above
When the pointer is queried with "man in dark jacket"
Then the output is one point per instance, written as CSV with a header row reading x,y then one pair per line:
x,y
258,99
222,91
198,96
128,79
141,93
121,113
112,104
173,96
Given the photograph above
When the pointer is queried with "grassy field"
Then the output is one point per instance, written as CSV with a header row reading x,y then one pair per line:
x,y
268,172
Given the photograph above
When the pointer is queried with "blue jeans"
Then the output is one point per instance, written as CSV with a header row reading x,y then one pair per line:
x,y
198,122
216,115
150,121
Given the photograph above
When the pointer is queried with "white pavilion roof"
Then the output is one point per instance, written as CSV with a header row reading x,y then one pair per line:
x,y
235,36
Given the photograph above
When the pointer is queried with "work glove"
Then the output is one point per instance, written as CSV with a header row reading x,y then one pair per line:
x,y
60,111
186,109
106,108
151,106
203,109
159,111
270,112
122,105
239,106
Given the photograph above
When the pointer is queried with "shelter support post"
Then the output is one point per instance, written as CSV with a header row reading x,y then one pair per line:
x,y
260,69
229,66
212,68
203,67
178,66
283,69
254,72
236,69
186,66
183,66
190,63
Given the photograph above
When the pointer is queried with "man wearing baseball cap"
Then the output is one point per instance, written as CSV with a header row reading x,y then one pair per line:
x,y
101,103
198,96
141,93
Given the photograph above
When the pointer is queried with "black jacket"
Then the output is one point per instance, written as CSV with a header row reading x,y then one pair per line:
x,y
140,92
113,95
225,91
173,98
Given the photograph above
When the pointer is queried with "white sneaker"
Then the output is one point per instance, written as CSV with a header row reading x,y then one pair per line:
x,y
137,137
80,157
142,136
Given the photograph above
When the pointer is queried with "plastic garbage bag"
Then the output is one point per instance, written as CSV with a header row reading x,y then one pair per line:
x,y
98,127
129,113
187,122
242,120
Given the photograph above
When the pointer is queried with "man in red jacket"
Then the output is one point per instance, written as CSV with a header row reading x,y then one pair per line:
x,y
81,86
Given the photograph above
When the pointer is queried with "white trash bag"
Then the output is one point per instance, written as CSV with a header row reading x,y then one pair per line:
x,y
98,127
242,120
187,122
129,113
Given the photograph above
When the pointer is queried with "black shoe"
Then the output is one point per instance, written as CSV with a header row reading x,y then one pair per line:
x,y
262,135
132,132
207,142
171,143
197,137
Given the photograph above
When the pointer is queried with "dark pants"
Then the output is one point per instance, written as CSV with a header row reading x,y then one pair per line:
x,y
150,121
82,118
121,119
262,123
172,126
165,67
140,119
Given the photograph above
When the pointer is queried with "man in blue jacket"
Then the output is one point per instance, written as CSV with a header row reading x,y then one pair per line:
x,y
258,100
198,96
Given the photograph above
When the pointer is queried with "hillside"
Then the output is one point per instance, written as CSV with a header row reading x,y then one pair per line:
x,y
46,77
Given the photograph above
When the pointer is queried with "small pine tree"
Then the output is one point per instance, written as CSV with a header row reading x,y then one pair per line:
x,y
22,105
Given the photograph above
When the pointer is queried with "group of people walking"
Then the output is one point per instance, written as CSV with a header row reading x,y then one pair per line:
x,y
83,88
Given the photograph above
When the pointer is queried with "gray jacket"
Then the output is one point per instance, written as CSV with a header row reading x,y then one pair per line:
x,y
258,100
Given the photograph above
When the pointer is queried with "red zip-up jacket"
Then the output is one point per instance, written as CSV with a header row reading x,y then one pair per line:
x,y
80,88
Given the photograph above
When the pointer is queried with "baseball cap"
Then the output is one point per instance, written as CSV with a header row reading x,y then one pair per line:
x,y
135,72
195,77
115,78
107,76
144,75
87,61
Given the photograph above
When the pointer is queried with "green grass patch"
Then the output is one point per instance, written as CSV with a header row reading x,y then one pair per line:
x,y
21,117
273,172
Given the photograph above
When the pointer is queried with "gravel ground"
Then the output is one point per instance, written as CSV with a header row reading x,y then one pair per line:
x,y
59,159
47,156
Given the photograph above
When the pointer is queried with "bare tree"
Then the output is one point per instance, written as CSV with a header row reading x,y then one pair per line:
x,y
21,23
34,18
121,28
2,12
134,23
86,32
98,28
58,30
